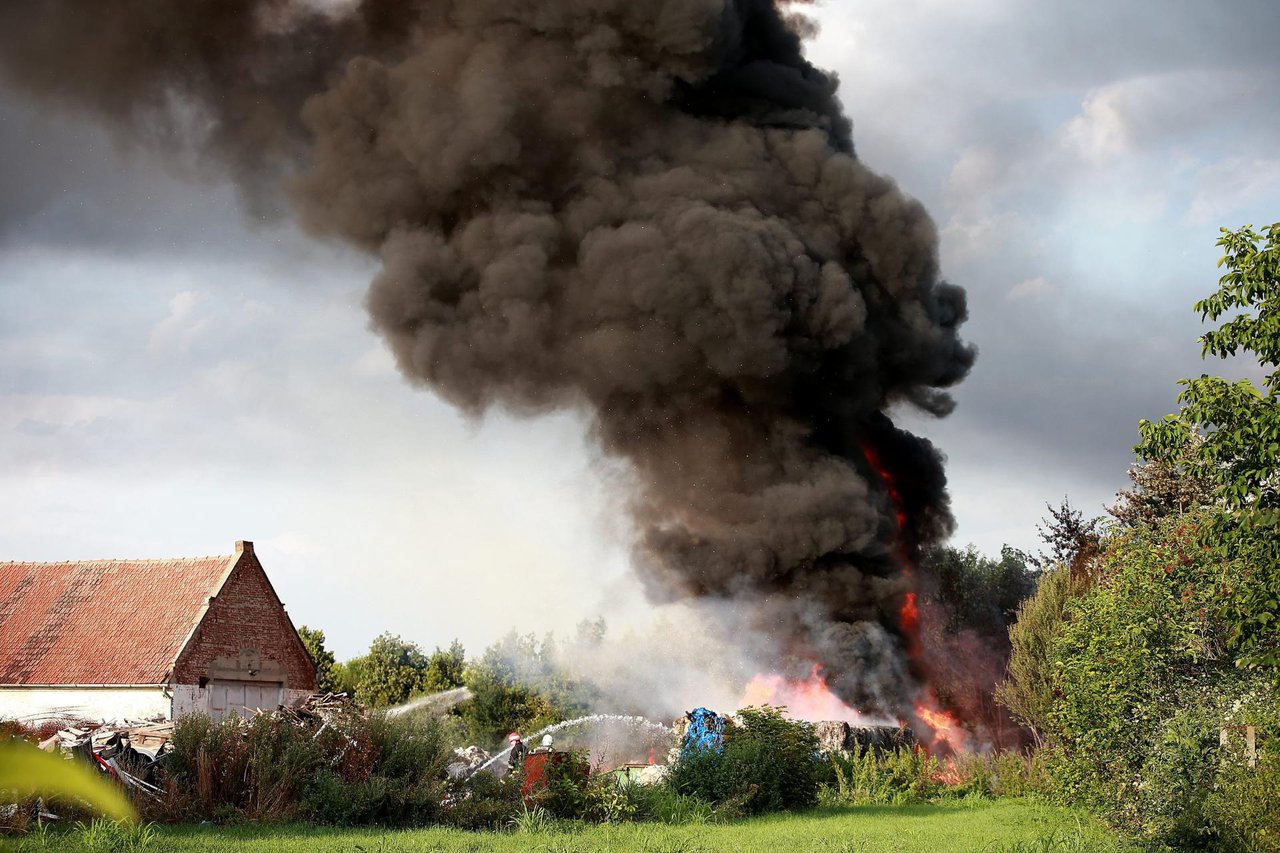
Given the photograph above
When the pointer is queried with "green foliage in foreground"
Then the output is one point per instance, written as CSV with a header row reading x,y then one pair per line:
x,y
1227,434
27,772
352,770
768,763
1005,826
1144,683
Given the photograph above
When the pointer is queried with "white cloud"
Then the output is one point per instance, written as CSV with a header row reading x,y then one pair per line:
x,y
1102,132
183,324
1031,288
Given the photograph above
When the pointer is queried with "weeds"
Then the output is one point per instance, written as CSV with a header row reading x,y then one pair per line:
x,y
532,820
112,836
351,770
912,776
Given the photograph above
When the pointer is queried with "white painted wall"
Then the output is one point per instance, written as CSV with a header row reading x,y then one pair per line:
x,y
95,704
190,699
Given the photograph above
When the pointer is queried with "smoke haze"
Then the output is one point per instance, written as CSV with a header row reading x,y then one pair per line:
x,y
650,210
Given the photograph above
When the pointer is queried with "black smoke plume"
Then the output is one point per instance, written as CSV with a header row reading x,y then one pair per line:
x,y
652,209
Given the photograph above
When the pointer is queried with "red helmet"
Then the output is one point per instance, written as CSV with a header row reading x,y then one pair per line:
x,y
514,737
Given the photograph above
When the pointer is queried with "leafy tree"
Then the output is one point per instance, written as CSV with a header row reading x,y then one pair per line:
x,y
1163,488
323,659
980,594
499,704
393,670
446,668
1028,689
520,683
1141,684
345,676
591,632
1228,434
1073,540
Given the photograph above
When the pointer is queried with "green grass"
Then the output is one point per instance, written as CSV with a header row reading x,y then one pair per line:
x,y
1002,826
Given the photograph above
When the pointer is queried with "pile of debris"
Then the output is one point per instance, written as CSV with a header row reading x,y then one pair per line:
x,y
317,708
836,736
127,751
130,751
466,762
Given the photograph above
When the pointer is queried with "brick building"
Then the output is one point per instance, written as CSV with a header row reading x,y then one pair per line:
x,y
104,639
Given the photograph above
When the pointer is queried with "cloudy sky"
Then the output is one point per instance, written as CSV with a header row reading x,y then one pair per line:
x,y
177,375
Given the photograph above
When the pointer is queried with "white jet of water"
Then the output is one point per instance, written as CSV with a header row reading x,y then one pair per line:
x,y
436,702
638,723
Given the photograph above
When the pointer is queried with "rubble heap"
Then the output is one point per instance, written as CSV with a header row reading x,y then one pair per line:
x,y
466,762
318,707
839,736
131,750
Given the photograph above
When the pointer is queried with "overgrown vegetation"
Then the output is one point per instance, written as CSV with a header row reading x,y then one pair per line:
x,y
768,763
1150,657
352,770
913,776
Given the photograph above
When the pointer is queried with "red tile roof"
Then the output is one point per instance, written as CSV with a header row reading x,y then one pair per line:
x,y
101,622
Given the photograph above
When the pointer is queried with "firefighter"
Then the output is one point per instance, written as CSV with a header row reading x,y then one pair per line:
x,y
518,751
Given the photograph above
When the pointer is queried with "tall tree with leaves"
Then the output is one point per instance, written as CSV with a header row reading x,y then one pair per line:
x,y
1163,488
313,639
1073,540
1240,426
393,671
446,668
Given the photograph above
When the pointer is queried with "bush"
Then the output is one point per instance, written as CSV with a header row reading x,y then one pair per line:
x,y
1144,682
482,802
768,763
352,770
663,804
1028,690
897,778
1244,804
913,777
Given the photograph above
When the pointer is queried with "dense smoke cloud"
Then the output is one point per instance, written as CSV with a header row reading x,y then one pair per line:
x,y
649,209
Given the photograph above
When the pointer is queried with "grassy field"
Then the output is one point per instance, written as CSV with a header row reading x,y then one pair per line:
x,y
1003,825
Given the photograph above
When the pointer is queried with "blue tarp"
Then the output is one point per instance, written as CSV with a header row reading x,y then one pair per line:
x,y
705,732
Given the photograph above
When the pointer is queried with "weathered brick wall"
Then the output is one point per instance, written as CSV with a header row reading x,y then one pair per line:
x,y
246,616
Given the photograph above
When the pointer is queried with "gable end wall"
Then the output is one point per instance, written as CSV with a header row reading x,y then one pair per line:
x,y
244,629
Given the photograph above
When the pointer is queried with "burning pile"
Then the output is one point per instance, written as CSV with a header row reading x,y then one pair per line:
x,y
652,210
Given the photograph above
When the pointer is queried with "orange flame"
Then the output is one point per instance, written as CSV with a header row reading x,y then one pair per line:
x,y
948,734
805,699
909,615
895,497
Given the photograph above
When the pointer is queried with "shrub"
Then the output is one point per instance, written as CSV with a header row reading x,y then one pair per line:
x,y
482,802
351,770
663,804
913,776
1144,682
1028,690
1244,805
768,763
904,776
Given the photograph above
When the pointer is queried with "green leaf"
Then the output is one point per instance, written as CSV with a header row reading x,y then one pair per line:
x,y
30,772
